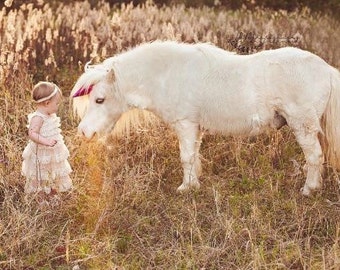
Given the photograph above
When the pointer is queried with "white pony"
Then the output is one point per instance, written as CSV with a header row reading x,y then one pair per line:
x,y
196,87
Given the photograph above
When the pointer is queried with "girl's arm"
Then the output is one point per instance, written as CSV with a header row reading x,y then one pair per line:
x,y
34,132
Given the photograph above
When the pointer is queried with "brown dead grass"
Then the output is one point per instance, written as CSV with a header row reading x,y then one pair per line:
x,y
125,213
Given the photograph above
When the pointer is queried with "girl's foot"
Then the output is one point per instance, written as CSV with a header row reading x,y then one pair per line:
x,y
53,192
54,198
40,197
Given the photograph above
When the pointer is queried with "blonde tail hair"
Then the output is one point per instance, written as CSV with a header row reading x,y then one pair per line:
x,y
331,123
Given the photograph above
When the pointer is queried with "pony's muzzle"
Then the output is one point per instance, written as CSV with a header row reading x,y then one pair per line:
x,y
86,133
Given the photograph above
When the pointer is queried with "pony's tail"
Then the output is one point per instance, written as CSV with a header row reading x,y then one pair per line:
x,y
331,123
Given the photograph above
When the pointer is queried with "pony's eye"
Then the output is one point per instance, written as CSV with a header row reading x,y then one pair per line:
x,y
100,100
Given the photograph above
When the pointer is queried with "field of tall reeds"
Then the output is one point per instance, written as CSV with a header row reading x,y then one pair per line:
x,y
124,212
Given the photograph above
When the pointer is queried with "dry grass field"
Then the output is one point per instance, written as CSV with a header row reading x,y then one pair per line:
x,y
124,212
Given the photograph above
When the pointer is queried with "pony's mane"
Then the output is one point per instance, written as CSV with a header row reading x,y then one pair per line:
x,y
92,75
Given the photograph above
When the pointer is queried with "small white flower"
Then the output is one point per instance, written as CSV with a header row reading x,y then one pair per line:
x,y
8,3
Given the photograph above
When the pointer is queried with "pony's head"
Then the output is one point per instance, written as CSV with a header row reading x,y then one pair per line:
x,y
97,100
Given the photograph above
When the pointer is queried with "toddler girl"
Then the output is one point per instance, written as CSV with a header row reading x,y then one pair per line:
x,y
45,164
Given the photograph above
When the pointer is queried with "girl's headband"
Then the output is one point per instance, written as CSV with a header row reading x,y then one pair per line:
x,y
56,89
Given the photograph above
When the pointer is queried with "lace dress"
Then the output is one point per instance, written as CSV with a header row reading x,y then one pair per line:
x,y
43,166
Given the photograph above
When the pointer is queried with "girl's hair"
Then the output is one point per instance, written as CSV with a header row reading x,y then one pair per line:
x,y
43,91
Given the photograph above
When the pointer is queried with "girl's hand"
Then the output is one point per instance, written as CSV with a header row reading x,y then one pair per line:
x,y
51,142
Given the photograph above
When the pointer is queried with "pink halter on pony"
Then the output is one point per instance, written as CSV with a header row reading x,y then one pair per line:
x,y
82,91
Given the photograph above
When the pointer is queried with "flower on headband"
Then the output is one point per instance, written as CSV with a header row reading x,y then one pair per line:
x,y
82,91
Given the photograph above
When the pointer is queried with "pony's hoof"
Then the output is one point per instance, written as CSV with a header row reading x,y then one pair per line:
x,y
305,191
185,187
182,188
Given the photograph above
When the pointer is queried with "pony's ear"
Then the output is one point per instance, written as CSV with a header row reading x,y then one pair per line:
x,y
111,76
82,91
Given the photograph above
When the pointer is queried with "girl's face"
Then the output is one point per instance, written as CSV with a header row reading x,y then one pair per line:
x,y
53,104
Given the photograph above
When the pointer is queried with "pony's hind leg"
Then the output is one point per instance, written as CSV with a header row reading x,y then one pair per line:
x,y
189,142
307,137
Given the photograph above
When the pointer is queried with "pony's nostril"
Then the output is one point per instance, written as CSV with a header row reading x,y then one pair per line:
x,y
80,132
86,134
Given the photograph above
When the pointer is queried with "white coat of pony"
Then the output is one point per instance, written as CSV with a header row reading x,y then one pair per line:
x,y
196,87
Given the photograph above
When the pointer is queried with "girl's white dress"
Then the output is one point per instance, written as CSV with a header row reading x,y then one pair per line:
x,y
46,167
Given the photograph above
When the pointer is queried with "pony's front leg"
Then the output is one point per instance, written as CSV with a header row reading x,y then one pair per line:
x,y
189,143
